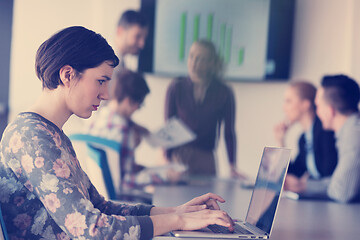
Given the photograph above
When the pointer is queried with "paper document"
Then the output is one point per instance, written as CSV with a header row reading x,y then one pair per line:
x,y
174,133
146,176
306,195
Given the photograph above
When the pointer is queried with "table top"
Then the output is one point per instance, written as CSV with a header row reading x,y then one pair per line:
x,y
295,219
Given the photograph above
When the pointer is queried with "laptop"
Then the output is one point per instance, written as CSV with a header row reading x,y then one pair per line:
x,y
263,204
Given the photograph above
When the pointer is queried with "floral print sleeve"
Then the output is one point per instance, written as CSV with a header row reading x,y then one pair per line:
x,y
45,194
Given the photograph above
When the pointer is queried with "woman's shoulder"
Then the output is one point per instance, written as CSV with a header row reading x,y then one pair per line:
x,y
28,124
34,132
26,118
221,88
221,84
22,122
36,121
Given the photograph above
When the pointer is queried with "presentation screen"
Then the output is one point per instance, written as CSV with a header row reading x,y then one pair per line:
x,y
253,37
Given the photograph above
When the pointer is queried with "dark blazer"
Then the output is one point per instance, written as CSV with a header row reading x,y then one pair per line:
x,y
205,118
324,150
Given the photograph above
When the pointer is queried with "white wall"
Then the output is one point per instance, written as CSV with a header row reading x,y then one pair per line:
x,y
36,20
325,41
323,38
355,58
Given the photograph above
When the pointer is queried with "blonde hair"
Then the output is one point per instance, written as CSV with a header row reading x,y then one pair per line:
x,y
306,91
219,63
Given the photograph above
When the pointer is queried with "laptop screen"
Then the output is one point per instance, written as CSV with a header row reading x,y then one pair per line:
x,y
267,189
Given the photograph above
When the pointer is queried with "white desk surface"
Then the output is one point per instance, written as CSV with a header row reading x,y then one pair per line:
x,y
295,220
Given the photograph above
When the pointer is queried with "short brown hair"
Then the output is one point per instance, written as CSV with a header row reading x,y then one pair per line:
x,y
131,17
342,93
129,84
76,46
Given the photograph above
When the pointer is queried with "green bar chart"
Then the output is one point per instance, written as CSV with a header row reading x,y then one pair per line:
x,y
227,47
237,28
241,56
196,27
209,30
222,39
221,33
182,36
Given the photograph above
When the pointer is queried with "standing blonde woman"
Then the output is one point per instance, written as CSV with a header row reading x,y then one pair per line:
x,y
203,102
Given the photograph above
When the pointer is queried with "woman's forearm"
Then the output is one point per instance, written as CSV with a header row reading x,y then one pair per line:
x,y
161,210
165,223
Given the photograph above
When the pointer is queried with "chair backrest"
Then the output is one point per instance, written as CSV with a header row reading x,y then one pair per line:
x,y
97,153
96,140
3,233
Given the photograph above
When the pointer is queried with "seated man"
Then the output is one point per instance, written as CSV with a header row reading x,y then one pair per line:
x,y
113,121
337,107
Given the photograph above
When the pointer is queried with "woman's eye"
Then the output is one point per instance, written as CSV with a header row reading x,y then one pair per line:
x,y
101,82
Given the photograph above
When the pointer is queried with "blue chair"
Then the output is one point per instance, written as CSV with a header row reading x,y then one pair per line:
x,y
95,147
3,228
98,152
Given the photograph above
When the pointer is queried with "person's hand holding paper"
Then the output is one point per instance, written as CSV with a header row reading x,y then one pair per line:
x,y
174,133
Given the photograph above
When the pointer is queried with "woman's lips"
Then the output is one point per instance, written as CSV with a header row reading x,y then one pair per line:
x,y
95,107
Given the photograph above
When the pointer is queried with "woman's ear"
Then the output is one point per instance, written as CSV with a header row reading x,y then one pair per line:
x,y
66,73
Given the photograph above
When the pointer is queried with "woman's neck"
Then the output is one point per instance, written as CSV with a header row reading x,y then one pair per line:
x,y
200,82
50,106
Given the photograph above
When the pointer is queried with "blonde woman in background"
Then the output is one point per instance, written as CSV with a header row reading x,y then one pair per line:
x,y
317,157
203,102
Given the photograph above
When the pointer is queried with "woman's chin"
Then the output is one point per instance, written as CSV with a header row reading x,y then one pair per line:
x,y
84,115
196,78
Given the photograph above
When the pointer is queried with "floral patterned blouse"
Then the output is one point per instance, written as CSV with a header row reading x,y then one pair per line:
x,y
45,194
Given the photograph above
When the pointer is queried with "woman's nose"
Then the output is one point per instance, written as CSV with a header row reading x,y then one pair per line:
x,y
104,94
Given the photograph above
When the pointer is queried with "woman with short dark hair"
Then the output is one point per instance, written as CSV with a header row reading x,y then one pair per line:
x,y
44,192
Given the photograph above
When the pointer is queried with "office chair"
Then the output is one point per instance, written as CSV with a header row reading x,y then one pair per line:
x,y
103,160
3,233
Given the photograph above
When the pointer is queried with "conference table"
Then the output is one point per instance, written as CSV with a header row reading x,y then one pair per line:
x,y
295,219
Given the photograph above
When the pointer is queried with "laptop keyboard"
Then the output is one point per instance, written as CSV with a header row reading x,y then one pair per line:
x,y
221,229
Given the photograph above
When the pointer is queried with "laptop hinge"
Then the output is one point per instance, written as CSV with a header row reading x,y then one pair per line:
x,y
255,229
